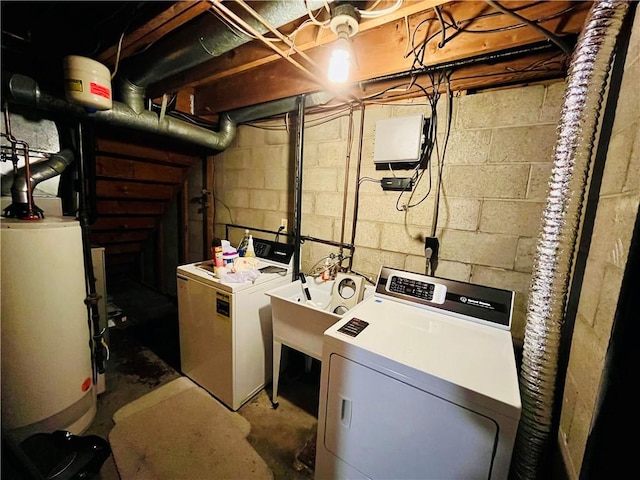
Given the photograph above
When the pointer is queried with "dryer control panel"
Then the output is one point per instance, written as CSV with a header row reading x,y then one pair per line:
x,y
412,287
488,305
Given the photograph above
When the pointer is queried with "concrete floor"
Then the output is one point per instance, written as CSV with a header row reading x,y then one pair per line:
x,y
144,354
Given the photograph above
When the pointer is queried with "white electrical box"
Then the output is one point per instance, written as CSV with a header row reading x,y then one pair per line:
x,y
398,139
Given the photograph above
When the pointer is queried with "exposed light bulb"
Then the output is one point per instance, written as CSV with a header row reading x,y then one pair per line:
x,y
344,23
340,61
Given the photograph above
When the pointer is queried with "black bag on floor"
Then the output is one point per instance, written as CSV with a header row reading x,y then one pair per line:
x,y
59,455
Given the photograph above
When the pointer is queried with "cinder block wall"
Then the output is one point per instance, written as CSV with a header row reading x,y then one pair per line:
x,y
616,214
495,175
495,178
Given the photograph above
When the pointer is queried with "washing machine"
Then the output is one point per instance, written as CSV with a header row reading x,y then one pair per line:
x,y
225,327
419,381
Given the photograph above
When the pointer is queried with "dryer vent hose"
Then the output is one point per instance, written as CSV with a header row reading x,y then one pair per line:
x,y
586,85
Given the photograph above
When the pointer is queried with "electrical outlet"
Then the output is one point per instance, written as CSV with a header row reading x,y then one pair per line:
x,y
284,223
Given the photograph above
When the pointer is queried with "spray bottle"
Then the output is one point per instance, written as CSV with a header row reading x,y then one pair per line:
x,y
250,252
244,243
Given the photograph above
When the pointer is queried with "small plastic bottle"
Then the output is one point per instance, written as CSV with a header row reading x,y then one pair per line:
x,y
244,243
326,273
250,252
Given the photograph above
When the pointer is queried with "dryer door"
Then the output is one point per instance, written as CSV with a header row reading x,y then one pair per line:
x,y
385,428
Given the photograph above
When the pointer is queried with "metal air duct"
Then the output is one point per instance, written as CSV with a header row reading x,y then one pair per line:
x,y
40,172
25,91
203,40
190,46
586,85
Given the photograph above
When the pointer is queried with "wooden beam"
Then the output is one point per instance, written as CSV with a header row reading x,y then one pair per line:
x,y
129,207
540,67
120,259
122,248
254,54
393,40
123,223
111,167
145,152
106,189
382,51
173,17
107,237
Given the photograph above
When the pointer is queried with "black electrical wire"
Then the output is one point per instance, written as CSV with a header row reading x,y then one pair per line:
x,y
430,140
418,51
554,38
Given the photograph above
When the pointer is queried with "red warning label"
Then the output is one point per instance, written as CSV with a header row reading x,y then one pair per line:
x,y
86,385
99,90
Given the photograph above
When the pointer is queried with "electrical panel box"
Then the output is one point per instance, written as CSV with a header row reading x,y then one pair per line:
x,y
398,140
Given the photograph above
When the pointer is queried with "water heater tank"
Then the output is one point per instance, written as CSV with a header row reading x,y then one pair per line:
x,y
46,358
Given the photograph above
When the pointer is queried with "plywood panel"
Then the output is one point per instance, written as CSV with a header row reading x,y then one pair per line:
x,y
112,167
146,152
122,248
126,207
123,223
104,237
133,190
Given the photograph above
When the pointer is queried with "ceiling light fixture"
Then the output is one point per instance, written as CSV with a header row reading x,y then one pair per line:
x,y
344,23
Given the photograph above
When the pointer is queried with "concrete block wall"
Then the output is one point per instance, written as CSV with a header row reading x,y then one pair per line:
x,y
494,180
496,172
616,214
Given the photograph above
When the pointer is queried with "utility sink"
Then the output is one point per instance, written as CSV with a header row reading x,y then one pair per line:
x,y
300,323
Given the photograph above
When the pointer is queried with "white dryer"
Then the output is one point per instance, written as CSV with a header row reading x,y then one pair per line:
x,y
419,381
225,328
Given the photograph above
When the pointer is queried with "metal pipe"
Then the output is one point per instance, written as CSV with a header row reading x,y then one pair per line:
x,y
18,208
356,198
204,40
190,46
93,312
39,172
25,91
586,85
297,188
465,62
345,188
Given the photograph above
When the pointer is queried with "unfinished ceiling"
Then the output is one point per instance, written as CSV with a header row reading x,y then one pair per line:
x,y
402,47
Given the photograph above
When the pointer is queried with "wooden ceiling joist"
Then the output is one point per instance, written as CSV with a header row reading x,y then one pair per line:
x,y
383,51
173,17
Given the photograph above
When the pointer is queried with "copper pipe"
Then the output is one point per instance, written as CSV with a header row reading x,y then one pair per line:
x,y
25,148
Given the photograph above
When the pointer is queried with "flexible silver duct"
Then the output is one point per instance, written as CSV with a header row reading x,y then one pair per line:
x,y
586,85
40,172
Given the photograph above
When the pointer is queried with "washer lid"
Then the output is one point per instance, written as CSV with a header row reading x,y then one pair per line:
x,y
459,360
203,272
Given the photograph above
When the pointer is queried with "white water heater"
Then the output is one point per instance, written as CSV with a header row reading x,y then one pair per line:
x,y
46,358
